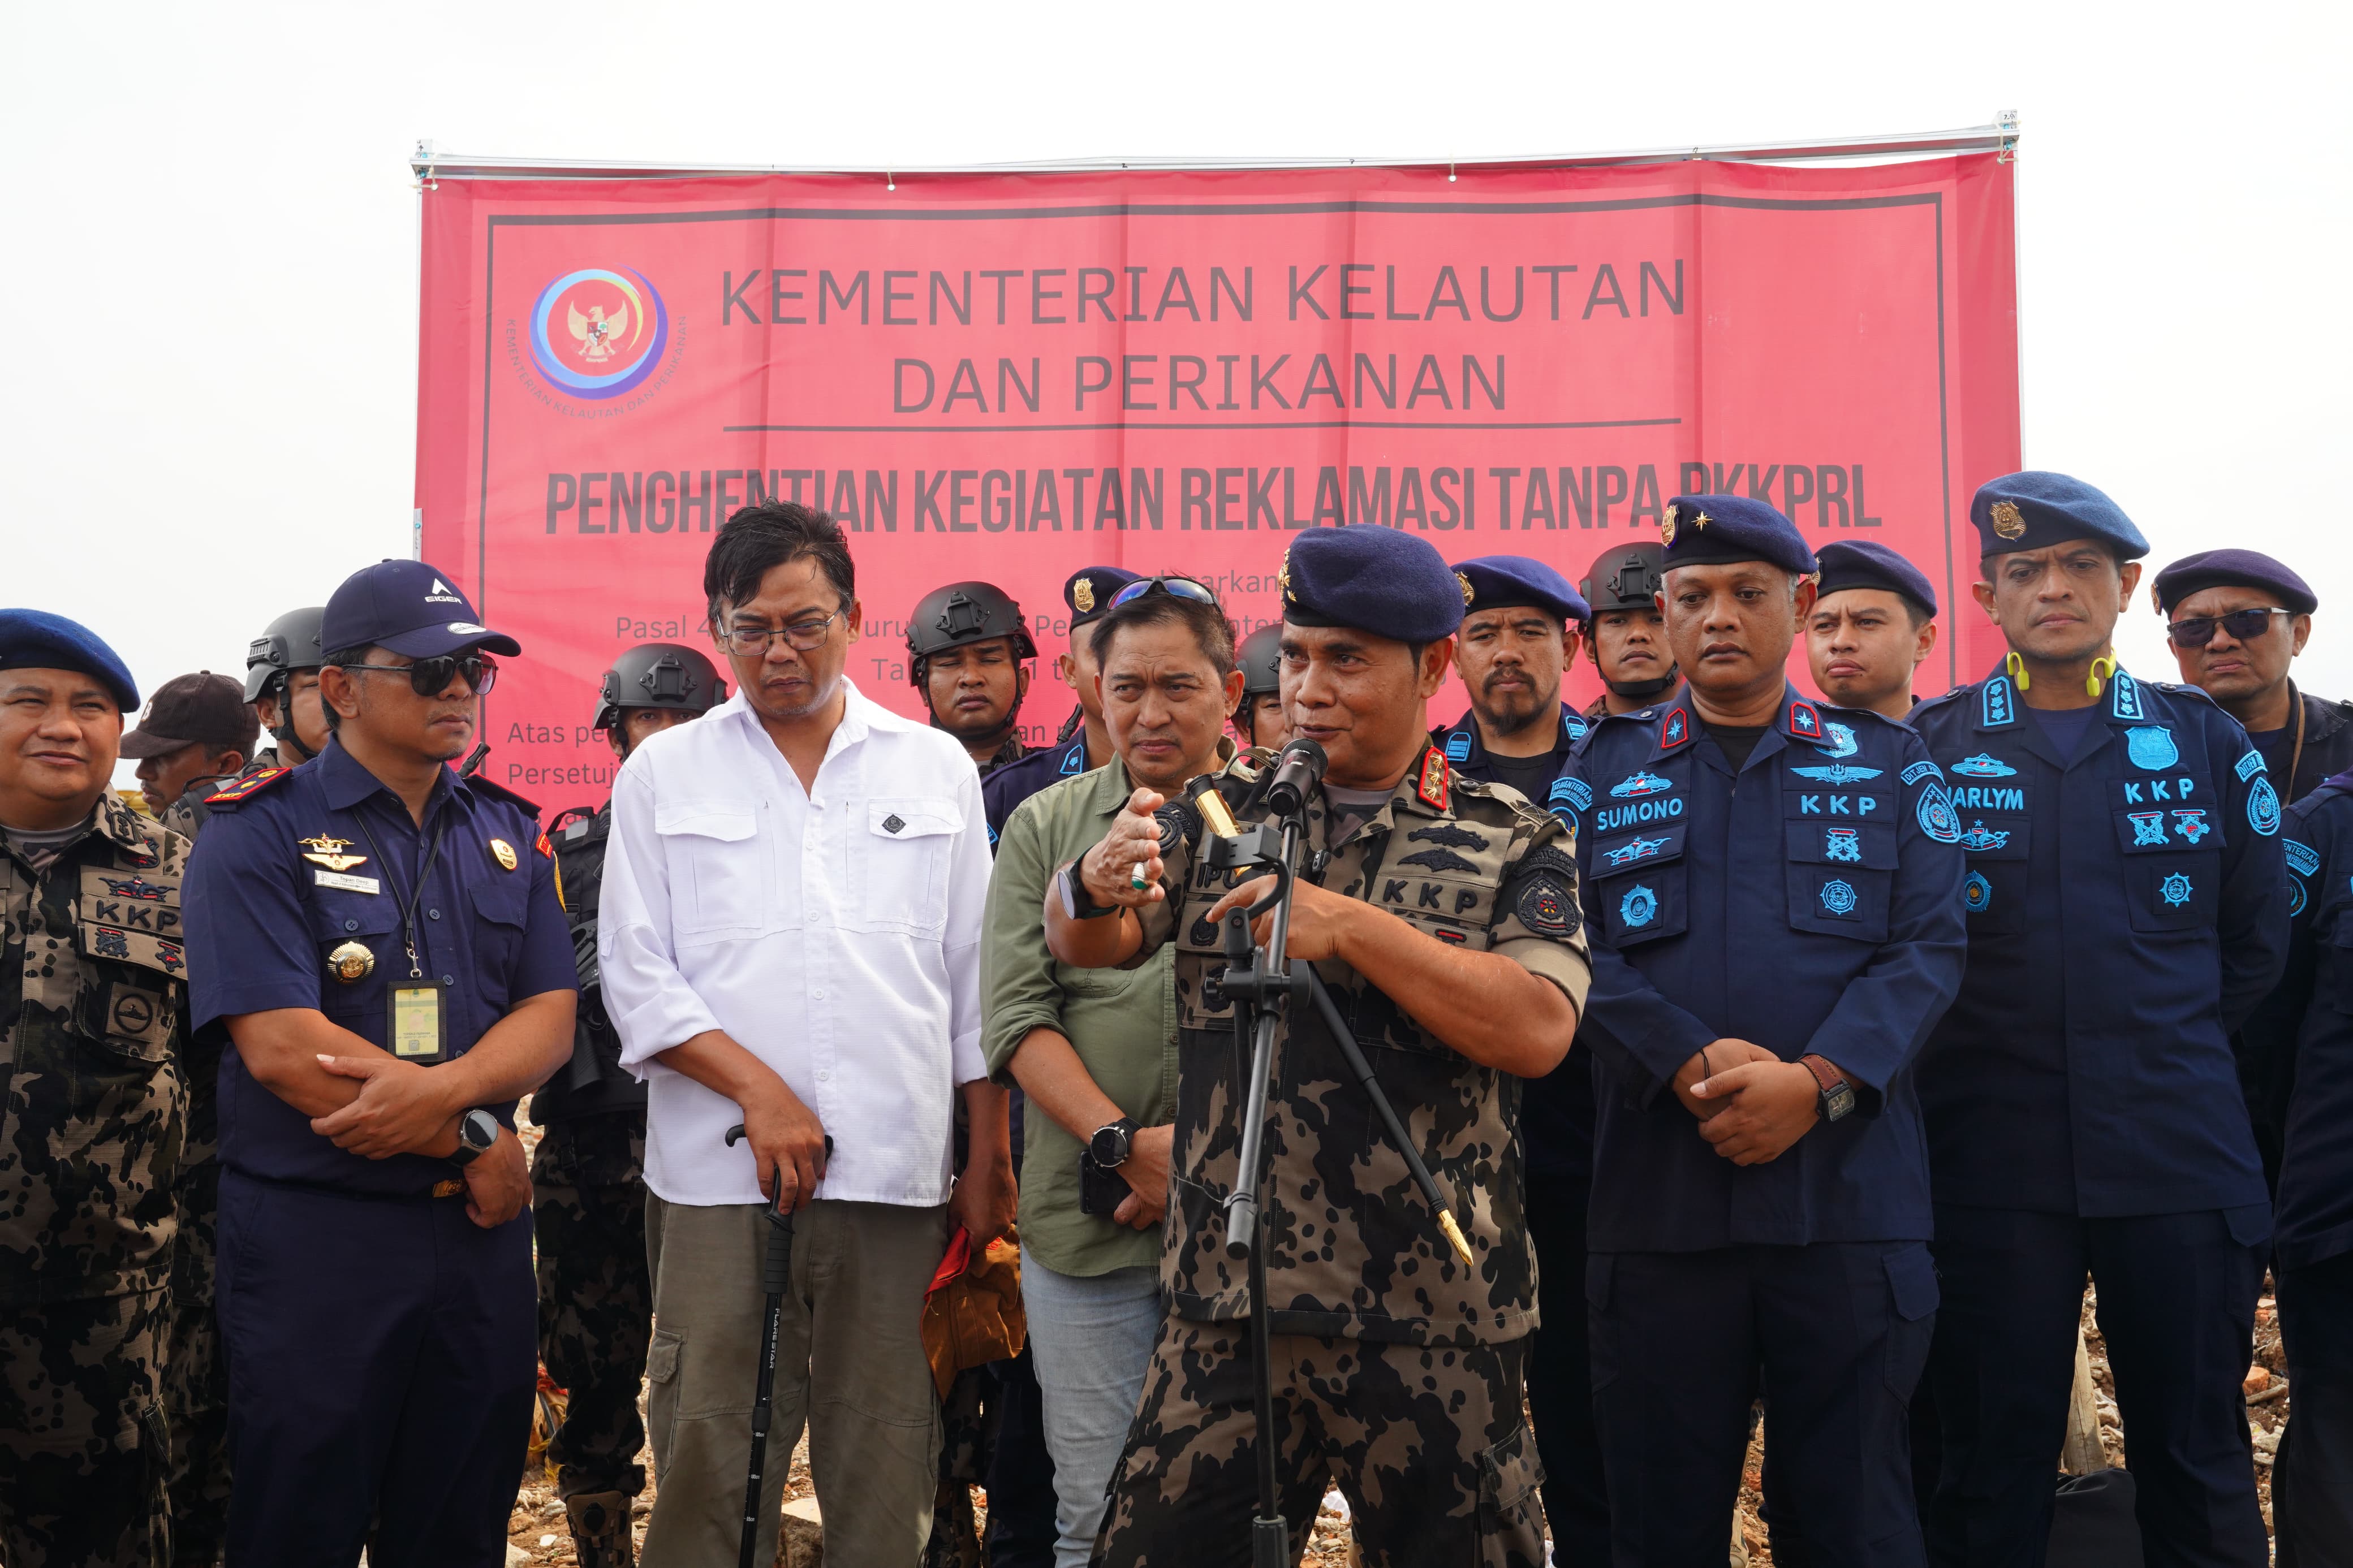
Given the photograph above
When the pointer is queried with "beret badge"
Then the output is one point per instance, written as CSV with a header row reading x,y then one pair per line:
x,y
1667,525
1282,580
1083,594
1459,577
2007,520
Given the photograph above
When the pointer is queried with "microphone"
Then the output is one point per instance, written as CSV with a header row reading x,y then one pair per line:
x,y
1298,769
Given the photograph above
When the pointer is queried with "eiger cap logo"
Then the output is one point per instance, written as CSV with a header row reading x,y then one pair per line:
x,y
442,594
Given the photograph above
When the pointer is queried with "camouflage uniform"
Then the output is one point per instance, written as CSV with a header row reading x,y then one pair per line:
x,y
92,1112
1395,1371
595,1300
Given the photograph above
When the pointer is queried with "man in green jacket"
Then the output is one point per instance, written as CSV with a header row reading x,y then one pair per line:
x,y
1095,1050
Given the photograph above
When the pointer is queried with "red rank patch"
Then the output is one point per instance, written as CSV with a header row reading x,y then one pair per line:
x,y
1432,785
240,788
544,846
1804,720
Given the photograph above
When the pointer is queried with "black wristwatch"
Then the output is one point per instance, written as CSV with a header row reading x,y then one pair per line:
x,y
1075,901
1837,1095
1110,1144
477,1130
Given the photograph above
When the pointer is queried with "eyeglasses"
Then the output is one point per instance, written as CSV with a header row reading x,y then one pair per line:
x,y
1177,587
803,635
430,677
2244,626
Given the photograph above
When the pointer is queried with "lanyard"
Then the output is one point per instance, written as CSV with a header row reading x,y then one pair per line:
x,y
408,909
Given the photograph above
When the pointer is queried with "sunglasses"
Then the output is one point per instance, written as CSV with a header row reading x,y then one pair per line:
x,y
1177,587
2244,626
430,677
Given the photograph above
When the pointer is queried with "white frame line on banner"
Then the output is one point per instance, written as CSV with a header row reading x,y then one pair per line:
x,y
430,162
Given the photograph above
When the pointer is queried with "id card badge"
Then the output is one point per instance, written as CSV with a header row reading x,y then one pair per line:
x,y
419,1021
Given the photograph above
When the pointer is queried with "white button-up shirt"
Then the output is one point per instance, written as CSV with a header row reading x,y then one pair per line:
x,y
834,932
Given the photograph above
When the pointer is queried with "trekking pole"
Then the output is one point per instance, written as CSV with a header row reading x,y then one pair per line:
x,y
775,1279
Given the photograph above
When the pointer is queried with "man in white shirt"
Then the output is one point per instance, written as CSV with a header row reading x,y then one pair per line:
x,y
792,915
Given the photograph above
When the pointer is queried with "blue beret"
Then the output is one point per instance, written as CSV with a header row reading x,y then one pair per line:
x,y
1089,589
36,639
1867,563
1372,579
2034,511
1512,582
2232,569
1716,531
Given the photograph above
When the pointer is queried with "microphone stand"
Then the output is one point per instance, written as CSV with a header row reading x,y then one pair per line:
x,y
1263,982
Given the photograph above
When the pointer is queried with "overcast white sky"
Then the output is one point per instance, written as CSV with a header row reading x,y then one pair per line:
x,y
212,259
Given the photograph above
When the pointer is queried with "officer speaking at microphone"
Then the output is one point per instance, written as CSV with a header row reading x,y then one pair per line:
x,y
1442,915
2126,910
1773,900
1520,633
383,939
588,1203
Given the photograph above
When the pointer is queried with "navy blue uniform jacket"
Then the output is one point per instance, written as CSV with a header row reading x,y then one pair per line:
x,y
261,923
2127,907
2309,1020
1809,904
1556,1112
1002,789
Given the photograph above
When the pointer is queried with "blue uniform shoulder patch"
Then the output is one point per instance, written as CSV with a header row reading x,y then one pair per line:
x,y
2251,764
1575,791
2301,857
1458,747
1935,815
2262,808
1922,770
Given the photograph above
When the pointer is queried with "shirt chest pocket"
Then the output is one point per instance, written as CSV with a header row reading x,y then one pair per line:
x,y
1840,877
1639,884
501,907
1994,893
719,881
130,924
899,864
361,951
2172,865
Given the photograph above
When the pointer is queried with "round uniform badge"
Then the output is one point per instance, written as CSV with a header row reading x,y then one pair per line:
x,y
351,963
503,853
1638,908
133,1014
1976,893
1839,898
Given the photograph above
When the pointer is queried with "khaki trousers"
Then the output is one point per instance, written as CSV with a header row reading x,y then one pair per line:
x,y
850,1366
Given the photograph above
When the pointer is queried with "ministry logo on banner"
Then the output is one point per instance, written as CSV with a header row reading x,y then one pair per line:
x,y
597,335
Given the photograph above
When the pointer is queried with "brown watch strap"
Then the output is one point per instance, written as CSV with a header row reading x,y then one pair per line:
x,y
1825,1077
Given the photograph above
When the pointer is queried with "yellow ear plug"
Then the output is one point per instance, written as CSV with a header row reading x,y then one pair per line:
x,y
2099,677
2016,668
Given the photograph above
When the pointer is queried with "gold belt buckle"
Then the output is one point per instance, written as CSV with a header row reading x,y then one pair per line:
x,y
450,1188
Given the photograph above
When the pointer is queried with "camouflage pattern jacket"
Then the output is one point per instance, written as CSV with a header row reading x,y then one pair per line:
x,y
93,1106
1354,1251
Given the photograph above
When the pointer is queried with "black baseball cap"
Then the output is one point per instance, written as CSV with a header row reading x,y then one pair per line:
x,y
189,708
409,607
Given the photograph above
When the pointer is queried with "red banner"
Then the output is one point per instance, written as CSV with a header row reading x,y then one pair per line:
x,y
1009,377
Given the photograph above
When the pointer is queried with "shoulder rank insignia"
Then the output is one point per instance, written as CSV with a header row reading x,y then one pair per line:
x,y
2124,698
1997,710
327,851
251,785
544,846
1074,761
1804,720
1431,786
1675,731
1458,744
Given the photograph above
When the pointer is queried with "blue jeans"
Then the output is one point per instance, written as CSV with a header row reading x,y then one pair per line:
x,y
1091,1341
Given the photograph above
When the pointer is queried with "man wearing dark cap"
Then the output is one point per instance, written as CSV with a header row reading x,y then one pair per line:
x,y
1520,633
196,733
1875,622
1627,640
1083,742
1258,718
1773,898
383,939
2236,619
2126,904
282,682
91,967
968,652
1442,914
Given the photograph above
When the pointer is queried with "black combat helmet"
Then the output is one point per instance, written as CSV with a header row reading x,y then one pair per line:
x,y
1260,657
1625,576
290,643
659,675
964,613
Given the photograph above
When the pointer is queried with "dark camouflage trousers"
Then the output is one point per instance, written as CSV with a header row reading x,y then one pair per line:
x,y
1427,1444
595,1300
82,1449
967,1433
196,1380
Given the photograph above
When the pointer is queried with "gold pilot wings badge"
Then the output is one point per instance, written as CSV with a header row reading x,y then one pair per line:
x,y
329,852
